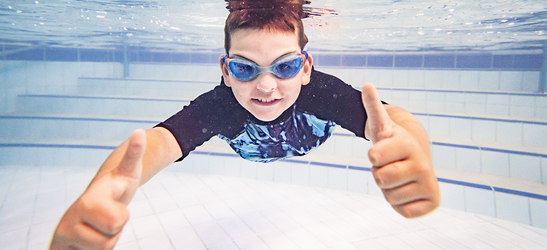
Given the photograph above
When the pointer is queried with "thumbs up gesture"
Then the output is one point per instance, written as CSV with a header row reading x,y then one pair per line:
x,y
96,219
400,156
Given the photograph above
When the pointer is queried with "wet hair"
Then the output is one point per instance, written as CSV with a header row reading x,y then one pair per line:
x,y
271,15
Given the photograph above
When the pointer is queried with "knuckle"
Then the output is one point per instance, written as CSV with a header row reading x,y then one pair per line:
x,y
378,177
390,199
373,156
115,222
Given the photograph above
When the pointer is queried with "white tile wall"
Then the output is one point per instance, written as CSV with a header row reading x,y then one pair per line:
x,y
509,132
271,172
282,172
370,76
475,103
450,79
443,156
300,174
343,145
385,78
319,177
495,163
537,212
496,109
468,160
417,100
541,101
249,169
416,79
373,189
530,81
512,207
521,106
455,102
489,80
400,98
460,128
400,78
483,130
338,178
511,80
439,126
433,80
357,181
453,196
469,80
544,169
535,135
480,201
525,167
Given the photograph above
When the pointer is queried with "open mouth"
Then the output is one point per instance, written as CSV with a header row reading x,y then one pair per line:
x,y
266,102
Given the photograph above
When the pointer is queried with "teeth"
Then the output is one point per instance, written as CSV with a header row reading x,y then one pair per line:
x,y
266,100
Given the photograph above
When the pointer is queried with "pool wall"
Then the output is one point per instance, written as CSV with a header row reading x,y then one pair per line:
x,y
484,113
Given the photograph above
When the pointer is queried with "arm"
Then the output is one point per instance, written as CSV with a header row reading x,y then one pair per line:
x,y
401,157
161,150
96,219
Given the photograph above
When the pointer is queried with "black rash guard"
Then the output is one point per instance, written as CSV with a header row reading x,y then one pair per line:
x,y
323,103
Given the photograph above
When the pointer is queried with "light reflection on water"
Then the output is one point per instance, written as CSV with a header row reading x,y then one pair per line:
x,y
380,25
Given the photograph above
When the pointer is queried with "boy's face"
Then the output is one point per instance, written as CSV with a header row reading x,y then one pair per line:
x,y
266,96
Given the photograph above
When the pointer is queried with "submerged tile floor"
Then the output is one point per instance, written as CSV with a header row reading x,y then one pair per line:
x,y
188,211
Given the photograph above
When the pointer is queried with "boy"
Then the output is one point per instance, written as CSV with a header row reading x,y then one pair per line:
x,y
271,104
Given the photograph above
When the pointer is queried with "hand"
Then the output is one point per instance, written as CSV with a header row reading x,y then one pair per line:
x,y
96,219
401,159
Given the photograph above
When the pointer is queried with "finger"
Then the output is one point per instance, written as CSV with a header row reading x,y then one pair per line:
x,y
405,194
394,175
131,163
391,150
88,238
379,124
416,208
107,217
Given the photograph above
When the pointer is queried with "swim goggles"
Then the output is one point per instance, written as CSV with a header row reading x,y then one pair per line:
x,y
284,67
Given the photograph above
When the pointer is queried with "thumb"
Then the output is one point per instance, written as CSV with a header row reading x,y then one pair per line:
x,y
130,167
379,125
131,163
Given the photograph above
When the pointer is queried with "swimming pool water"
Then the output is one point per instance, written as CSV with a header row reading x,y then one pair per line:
x,y
345,25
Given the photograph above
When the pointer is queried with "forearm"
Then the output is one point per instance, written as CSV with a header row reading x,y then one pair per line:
x,y
160,152
406,120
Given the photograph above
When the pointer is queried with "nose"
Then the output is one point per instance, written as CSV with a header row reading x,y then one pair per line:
x,y
266,83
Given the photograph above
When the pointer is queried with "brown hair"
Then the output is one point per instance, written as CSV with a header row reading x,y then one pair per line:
x,y
272,15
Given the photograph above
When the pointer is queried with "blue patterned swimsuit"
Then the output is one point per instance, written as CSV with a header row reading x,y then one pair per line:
x,y
322,104
296,136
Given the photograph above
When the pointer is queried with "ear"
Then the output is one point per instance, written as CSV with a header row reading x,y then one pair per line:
x,y
307,70
224,70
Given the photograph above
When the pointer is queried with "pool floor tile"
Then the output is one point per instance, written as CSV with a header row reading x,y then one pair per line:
x,y
222,212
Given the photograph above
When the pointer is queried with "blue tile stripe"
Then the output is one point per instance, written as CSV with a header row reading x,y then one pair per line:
x,y
322,164
441,60
47,145
483,118
464,91
507,151
335,134
107,98
495,189
77,119
143,80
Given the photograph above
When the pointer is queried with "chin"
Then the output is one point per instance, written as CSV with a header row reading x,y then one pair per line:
x,y
267,117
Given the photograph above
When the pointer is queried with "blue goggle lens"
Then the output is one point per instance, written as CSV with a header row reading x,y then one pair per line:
x,y
288,69
244,70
